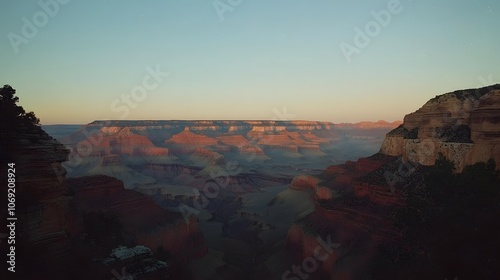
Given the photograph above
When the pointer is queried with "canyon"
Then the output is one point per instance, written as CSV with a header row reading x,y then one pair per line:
x,y
233,199
232,181
304,144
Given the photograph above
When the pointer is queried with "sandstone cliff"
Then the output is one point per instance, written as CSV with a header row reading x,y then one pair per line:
x,y
463,125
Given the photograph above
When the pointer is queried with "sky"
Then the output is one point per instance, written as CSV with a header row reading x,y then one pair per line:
x,y
76,61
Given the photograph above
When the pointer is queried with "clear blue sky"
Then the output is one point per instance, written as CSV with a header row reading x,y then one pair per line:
x,y
262,57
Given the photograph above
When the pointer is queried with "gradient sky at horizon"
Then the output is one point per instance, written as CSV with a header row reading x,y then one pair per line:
x,y
264,56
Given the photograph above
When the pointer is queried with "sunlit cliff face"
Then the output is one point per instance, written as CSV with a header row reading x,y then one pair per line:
x,y
462,125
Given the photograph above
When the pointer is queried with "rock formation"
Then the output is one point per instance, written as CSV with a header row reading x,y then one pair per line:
x,y
463,125
121,142
186,137
40,202
351,209
112,147
161,228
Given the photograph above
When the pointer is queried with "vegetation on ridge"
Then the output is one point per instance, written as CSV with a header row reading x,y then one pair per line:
x,y
11,114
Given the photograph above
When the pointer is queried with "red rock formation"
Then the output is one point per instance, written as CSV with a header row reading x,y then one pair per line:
x,y
233,140
186,137
311,137
119,141
255,139
358,221
251,150
306,182
208,156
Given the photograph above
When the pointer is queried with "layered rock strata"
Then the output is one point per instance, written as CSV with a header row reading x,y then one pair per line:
x,y
462,125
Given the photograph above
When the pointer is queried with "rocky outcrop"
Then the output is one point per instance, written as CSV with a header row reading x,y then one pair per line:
x,y
186,137
304,182
252,150
115,141
40,197
162,228
355,215
233,140
210,157
462,125
136,262
310,183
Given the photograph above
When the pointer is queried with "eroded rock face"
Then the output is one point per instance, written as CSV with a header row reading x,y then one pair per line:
x,y
355,217
120,141
40,200
135,138
310,183
187,137
463,125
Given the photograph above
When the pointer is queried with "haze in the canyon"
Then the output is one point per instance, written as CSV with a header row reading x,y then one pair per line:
x,y
233,139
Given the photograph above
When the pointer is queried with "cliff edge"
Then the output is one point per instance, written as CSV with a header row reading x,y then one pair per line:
x,y
463,125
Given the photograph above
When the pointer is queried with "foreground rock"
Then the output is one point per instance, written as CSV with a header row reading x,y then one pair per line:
x,y
63,225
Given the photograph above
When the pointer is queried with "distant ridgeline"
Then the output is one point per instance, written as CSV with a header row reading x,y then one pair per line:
x,y
159,131
213,141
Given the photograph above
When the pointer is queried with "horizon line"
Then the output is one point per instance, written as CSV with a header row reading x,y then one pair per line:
x,y
242,120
